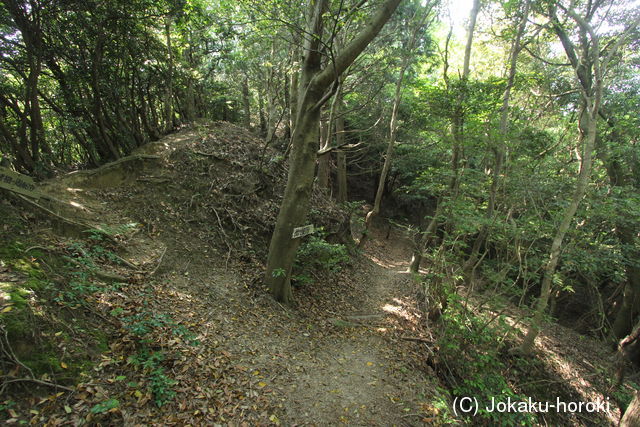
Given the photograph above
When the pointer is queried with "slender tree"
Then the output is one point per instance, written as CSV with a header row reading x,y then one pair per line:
x,y
457,128
317,85
408,58
590,62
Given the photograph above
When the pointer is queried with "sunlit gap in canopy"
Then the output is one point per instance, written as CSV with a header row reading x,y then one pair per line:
x,y
456,13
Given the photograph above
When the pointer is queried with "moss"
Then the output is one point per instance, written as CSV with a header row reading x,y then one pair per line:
x,y
102,340
32,319
16,323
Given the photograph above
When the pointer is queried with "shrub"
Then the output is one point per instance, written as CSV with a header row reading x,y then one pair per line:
x,y
317,255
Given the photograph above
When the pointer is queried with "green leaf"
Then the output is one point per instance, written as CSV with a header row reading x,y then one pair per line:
x,y
105,406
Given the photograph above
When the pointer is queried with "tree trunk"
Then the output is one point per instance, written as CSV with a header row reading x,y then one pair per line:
x,y
341,155
304,140
393,131
324,159
262,124
393,123
168,96
98,113
619,176
457,122
246,103
293,94
631,297
326,131
631,417
272,95
587,140
416,258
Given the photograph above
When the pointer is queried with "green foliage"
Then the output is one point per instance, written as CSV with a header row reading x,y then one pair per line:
x,y
160,384
624,395
7,404
317,255
278,272
141,324
471,346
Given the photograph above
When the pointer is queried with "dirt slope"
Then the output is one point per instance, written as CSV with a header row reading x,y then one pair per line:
x,y
199,205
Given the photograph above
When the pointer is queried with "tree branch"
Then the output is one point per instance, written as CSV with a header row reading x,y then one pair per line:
x,y
356,46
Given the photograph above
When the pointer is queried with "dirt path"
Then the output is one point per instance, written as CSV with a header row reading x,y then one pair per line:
x,y
327,361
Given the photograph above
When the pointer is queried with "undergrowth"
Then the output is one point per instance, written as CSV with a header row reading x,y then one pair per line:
x,y
316,256
472,348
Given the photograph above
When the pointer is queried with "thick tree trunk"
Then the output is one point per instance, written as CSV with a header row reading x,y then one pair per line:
x,y
315,81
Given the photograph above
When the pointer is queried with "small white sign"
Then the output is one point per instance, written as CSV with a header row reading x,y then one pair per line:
x,y
302,231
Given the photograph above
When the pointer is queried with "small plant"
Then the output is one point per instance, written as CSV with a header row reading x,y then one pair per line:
x,y
105,406
159,383
315,255
141,324
78,288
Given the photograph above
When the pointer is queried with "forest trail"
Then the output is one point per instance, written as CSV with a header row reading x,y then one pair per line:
x,y
324,362
337,357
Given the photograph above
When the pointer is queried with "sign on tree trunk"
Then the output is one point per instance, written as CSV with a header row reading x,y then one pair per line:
x,y
302,231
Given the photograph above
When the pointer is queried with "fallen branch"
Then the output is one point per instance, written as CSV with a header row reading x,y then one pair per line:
x,y
127,263
34,380
417,339
100,274
159,262
55,215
